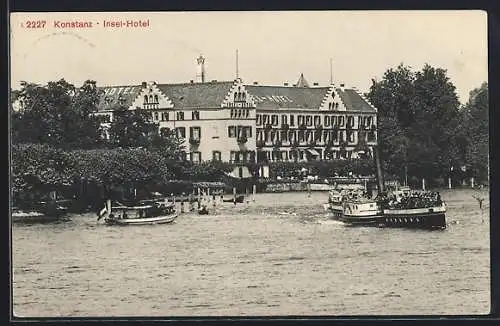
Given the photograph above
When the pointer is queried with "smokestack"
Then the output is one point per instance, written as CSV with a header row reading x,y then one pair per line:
x,y
200,74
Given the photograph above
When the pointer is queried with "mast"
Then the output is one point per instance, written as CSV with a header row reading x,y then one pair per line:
x,y
380,172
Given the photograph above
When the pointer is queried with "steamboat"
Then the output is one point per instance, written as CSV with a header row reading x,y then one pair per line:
x,y
400,208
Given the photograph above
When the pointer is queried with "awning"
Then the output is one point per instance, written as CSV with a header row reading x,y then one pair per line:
x,y
313,151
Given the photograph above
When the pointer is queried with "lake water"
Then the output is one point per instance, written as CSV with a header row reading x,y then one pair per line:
x,y
280,255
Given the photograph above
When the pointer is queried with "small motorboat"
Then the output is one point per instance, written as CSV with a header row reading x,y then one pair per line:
x,y
157,213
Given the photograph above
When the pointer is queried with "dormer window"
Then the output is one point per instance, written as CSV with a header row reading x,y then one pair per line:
x,y
156,98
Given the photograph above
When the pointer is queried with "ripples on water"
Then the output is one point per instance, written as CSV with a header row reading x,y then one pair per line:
x,y
281,255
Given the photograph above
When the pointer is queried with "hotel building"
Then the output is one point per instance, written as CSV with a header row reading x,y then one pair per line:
x,y
239,123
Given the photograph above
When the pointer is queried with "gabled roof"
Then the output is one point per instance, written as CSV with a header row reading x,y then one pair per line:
x,y
270,97
353,101
115,96
302,82
194,95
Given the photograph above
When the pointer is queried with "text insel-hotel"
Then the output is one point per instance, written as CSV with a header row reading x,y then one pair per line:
x,y
126,23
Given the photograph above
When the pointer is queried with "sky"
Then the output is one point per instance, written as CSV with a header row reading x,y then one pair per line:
x,y
273,47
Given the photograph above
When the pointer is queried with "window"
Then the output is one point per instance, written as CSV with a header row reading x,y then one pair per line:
x,y
266,119
308,120
300,120
335,136
232,156
327,121
156,116
156,98
195,133
317,120
302,136
284,119
248,132
350,136
258,119
196,157
350,121
183,156
274,120
181,132
292,122
180,115
336,105
231,131
260,136
164,116
326,136
247,113
329,106
145,99
195,115
216,156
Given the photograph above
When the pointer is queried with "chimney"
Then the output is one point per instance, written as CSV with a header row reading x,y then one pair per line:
x,y
214,80
286,84
342,87
256,83
144,84
200,73
315,84
191,81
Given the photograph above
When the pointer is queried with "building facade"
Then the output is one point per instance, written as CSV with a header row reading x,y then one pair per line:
x,y
238,123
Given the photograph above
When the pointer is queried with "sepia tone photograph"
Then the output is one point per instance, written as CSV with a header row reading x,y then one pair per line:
x,y
251,163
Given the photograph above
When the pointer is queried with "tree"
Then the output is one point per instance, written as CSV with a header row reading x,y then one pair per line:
x,y
132,128
418,118
475,127
56,114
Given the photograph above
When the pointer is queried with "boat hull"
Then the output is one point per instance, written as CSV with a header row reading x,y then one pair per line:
x,y
428,218
337,213
142,221
371,220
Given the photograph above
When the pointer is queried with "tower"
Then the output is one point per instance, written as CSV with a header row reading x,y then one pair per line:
x,y
200,71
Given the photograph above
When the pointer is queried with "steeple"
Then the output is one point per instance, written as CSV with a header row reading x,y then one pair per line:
x,y
302,82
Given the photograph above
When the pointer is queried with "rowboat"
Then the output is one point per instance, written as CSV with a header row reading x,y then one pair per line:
x,y
157,213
